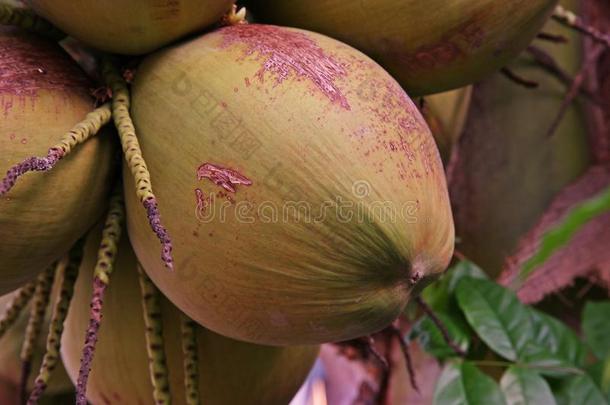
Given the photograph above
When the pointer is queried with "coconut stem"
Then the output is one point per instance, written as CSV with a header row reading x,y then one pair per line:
x,y
151,305
28,20
440,326
190,359
235,16
78,134
133,155
14,308
104,267
56,327
522,81
548,63
569,19
407,355
42,293
554,38
574,89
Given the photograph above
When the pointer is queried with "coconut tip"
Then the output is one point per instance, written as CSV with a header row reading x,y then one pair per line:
x,y
31,164
154,219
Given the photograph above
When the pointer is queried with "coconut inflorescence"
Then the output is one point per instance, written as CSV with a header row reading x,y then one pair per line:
x,y
302,187
131,27
429,46
229,372
43,94
11,343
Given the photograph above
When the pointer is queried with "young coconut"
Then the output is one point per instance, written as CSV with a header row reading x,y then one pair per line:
x,y
306,196
130,27
429,46
43,94
229,372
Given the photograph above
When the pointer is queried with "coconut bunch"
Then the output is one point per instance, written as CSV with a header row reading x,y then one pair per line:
x,y
293,188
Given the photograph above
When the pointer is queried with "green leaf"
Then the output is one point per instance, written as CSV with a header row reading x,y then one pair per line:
x,y
561,234
546,363
554,350
600,373
462,383
580,390
464,269
431,339
596,327
525,387
496,315
439,295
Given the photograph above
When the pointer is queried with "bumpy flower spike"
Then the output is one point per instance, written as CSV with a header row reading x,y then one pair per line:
x,y
28,20
56,327
42,293
133,155
151,305
80,133
190,359
18,303
104,267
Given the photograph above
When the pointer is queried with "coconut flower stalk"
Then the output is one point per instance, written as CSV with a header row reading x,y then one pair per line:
x,y
104,267
121,102
42,293
84,130
67,274
14,308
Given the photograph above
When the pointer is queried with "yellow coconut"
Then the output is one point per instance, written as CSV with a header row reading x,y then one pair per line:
x,y
429,46
301,186
230,372
131,27
43,94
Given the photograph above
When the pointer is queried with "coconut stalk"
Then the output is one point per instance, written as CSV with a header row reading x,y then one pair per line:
x,y
11,344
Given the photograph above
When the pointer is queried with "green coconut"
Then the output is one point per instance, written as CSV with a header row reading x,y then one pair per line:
x,y
230,372
43,94
302,188
429,46
131,27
